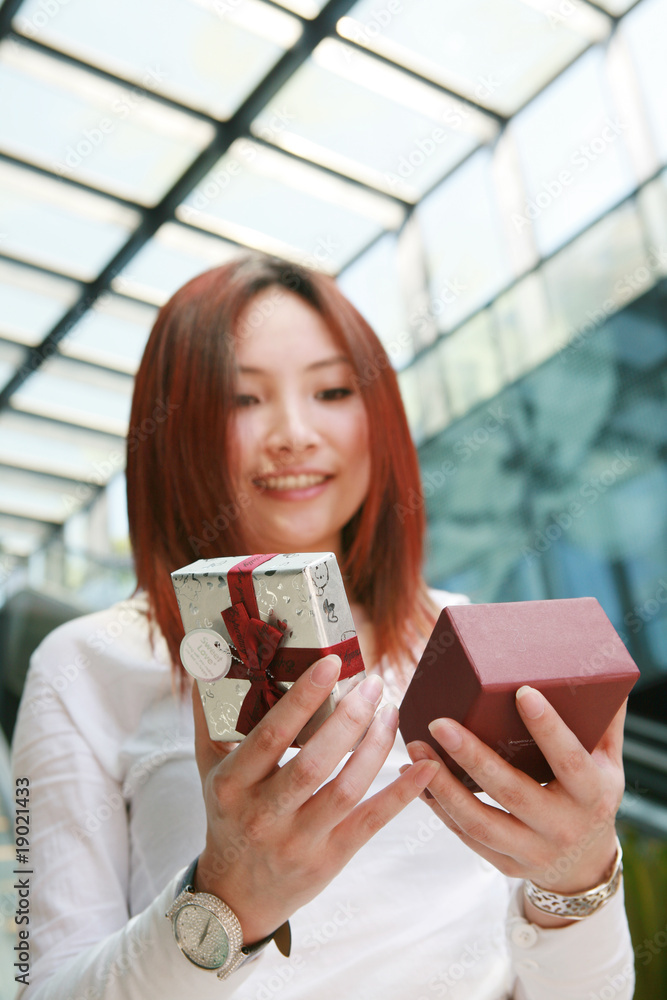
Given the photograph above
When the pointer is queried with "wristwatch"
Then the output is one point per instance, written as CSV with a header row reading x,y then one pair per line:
x,y
209,934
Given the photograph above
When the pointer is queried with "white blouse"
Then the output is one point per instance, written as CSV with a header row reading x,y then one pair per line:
x,y
117,815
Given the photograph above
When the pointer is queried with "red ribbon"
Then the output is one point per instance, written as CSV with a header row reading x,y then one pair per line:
x,y
257,641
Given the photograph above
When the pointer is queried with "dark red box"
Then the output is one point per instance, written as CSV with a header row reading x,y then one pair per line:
x,y
479,655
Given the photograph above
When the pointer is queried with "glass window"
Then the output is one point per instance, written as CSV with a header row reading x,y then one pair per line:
x,y
224,48
11,358
593,277
469,363
373,284
32,495
466,252
84,127
31,303
262,198
30,442
113,333
525,327
645,30
20,537
573,155
351,112
305,8
54,225
79,394
497,54
174,255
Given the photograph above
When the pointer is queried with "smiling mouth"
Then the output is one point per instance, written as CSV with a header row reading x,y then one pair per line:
x,y
300,482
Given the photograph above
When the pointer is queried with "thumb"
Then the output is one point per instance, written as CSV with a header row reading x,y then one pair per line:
x,y
208,752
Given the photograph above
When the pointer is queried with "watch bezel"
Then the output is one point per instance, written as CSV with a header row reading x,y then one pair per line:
x,y
227,920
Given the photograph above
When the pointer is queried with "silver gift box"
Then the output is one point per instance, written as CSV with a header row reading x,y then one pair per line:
x,y
303,589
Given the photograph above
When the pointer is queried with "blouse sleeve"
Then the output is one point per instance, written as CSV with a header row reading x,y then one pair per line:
x,y
589,958
82,943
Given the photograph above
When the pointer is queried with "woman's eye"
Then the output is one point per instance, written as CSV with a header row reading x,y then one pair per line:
x,y
331,394
246,400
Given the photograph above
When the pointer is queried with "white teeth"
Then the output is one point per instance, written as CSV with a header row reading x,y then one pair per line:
x,y
290,482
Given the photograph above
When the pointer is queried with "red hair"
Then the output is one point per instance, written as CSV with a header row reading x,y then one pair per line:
x,y
181,500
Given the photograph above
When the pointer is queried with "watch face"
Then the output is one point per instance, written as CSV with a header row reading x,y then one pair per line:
x,y
201,936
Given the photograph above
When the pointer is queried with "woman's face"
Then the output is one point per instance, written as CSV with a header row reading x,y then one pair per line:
x,y
300,428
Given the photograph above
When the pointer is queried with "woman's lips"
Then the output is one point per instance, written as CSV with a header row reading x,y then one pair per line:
x,y
298,487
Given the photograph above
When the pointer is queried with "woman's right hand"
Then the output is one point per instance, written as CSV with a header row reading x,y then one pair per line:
x,y
275,838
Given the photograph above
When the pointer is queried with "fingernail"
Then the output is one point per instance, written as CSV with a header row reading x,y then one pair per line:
x,y
530,701
426,773
388,716
447,735
417,752
371,689
326,671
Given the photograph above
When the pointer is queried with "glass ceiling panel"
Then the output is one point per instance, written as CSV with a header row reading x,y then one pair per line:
x,y
652,202
223,50
11,357
617,7
20,537
603,270
497,53
352,113
113,333
79,394
54,225
31,303
466,252
645,31
469,364
272,202
524,326
174,255
32,495
373,285
41,445
305,8
573,155
81,126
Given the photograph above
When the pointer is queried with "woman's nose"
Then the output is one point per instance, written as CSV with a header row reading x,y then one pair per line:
x,y
291,429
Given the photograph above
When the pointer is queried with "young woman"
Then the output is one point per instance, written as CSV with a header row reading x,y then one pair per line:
x,y
267,418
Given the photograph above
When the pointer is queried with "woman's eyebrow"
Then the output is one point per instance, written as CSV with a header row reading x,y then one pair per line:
x,y
338,359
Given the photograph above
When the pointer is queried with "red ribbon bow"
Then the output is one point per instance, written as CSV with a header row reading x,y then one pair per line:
x,y
257,643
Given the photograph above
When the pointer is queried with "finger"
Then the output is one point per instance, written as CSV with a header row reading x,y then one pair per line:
x,y
570,762
515,791
336,800
611,742
372,814
261,750
325,749
485,824
207,751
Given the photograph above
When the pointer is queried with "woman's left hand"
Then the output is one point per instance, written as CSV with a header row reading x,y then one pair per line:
x,y
561,835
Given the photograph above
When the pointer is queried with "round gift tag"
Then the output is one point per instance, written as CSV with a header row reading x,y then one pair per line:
x,y
205,654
